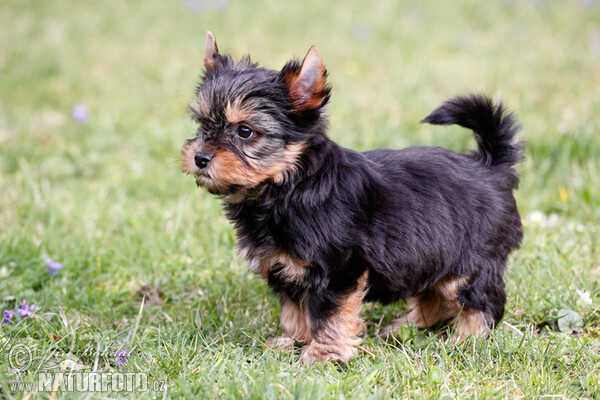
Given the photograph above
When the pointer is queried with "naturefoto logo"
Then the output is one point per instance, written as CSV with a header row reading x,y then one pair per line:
x,y
53,370
88,382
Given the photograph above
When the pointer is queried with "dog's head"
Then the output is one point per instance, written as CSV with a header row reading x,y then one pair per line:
x,y
253,123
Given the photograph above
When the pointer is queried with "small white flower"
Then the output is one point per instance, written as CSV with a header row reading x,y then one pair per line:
x,y
584,296
536,217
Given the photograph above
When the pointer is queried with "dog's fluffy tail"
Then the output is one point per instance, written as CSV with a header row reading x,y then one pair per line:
x,y
495,129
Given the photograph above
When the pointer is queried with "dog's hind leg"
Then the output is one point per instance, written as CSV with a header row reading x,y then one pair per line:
x,y
471,323
434,305
482,302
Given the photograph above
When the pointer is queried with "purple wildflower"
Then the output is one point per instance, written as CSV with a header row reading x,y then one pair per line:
x,y
27,311
219,5
122,357
195,5
53,266
6,316
79,113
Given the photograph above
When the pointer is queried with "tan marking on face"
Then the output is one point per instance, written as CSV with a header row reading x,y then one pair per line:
x,y
226,168
337,341
236,113
288,164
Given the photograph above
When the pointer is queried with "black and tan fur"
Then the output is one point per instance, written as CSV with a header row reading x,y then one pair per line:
x,y
329,228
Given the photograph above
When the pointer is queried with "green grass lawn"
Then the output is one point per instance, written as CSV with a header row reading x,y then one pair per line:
x,y
107,200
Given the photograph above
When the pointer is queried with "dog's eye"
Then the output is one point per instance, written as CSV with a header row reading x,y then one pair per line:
x,y
244,132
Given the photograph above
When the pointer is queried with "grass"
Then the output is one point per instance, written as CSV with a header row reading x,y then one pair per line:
x,y
106,198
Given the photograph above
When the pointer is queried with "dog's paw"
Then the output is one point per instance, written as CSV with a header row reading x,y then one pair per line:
x,y
281,343
393,328
316,352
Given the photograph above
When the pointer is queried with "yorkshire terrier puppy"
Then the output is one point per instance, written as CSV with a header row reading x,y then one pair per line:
x,y
330,228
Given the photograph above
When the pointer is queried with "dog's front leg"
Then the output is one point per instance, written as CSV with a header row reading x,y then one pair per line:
x,y
294,322
335,322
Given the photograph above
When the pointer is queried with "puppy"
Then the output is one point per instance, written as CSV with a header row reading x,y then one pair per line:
x,y
330,228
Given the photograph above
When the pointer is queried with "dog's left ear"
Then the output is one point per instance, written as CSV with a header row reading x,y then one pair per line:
x,y
211,55
306,83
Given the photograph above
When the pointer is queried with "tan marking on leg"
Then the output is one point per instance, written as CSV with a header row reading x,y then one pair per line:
x,y
294,322
337,340
294,269
449,289
295,326
432,306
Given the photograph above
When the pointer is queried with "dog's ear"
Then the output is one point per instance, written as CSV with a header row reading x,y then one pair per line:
x,y
211,55
306,82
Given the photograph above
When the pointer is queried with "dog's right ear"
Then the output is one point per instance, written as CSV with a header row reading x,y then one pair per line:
x,y
211,54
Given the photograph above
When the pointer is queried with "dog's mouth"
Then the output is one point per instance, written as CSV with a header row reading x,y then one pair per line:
x,y
203,179
231,194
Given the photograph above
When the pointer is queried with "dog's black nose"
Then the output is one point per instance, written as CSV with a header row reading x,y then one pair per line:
x,y
202,158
